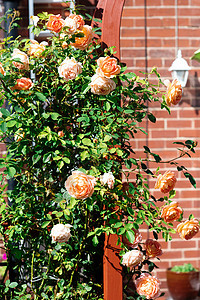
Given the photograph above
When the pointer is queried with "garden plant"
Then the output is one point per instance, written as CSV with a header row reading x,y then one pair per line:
x,y
68,112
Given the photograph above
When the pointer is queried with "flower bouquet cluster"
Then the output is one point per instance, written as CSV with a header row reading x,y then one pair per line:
x,y
71,113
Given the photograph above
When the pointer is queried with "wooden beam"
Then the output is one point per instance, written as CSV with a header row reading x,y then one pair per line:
x,y
110,12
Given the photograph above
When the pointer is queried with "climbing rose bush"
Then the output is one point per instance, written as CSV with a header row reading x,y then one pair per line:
x,y
69,110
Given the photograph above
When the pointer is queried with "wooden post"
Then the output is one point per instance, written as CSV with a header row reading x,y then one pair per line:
x,y
110,12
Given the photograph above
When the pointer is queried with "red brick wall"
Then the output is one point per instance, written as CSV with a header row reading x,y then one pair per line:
x,y
157,48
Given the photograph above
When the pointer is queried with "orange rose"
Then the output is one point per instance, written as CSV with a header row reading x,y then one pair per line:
x,y
69,69
79,185
101,85
83,42
153,248
24,61
23,84
188,229
108,67
148,286
79,21
132,258
171,212
55,23
2,71
174,92
35,49
166,182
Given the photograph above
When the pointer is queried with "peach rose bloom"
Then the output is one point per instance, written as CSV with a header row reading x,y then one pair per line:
x,y
61,133
79,185
69,69
166,182
2,71
71,26
174,92
79,21
109,179
61,233
24,61
36,49
55,23
138,239
188,229
171,212
153,248
108,67
132,258
23,84
148,286
101,85
83,42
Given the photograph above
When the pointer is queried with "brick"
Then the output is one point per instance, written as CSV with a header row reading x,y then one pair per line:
x,y
168,43
132,32
195,3
161,53
188,113
131,12
126,43
192,133
172,255
154,42
163,134
183,2
161,11
179,123
192,12
127,22
161,32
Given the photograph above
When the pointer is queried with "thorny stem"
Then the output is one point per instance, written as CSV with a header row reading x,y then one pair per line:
x,y
80,249
32,262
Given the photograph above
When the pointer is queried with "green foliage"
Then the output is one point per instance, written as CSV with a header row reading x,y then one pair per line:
x,y
58,126
185,268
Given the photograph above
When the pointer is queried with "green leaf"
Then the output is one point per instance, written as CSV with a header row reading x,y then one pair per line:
x,y
11,171
108,106
152,118
95,240
45,224
84,155
130,235
5,112
36,158
172,194
121,231
12,285
196,55
118,224
86,142
40,96
54,116
107,138
191,178
72,203
11,123
66,160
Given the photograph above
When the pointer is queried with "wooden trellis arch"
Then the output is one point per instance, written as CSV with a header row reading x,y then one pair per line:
x,y
110,12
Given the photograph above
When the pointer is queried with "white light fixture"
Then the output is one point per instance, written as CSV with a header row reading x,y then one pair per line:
x,y
180,69
179,66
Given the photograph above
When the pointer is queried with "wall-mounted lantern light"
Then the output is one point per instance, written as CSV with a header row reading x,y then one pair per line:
x,y
180,69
